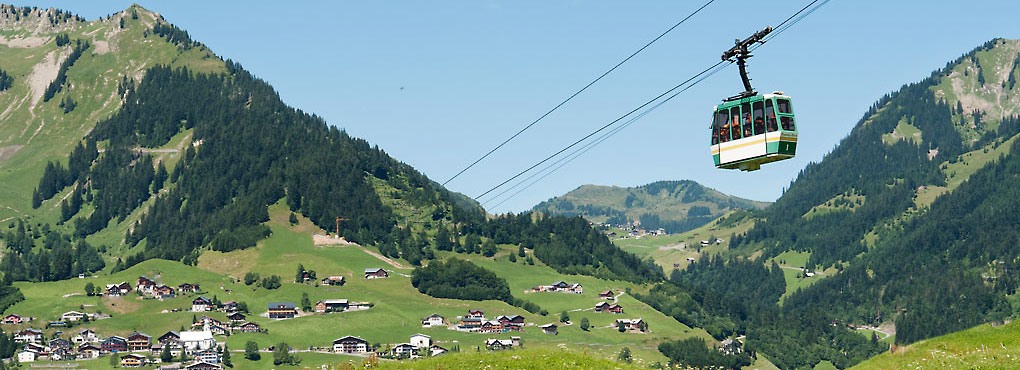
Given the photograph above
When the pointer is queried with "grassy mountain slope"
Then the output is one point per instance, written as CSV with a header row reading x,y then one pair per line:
x,y
397,306
676,206
32,131
178,156
908,224
899,208
982,347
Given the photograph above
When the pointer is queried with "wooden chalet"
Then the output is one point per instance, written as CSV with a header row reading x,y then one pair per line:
x,y
433,320
116,290
608,307
331,305
490,327
498,344
188,288
201,304
207,356
549,329
376,273
163,291
404,350
169,337
73,316
114,344
145,285
201,365
608,294
36,347
633,324
132,360
58,343
560,286
88,351
12,319
229,306
248,327
282,310
85,336
62,354
28,336
350,344
335,280
139,341
236,318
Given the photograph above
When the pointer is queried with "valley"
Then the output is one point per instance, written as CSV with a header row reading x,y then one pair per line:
x,y
161,204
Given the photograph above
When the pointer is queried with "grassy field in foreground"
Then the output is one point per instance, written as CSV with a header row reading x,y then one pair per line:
x,y
538,359
980,347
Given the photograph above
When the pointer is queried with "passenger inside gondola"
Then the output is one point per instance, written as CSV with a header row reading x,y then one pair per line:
x,y
735,125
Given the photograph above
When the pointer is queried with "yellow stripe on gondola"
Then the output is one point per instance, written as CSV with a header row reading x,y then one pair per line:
x,y
752,142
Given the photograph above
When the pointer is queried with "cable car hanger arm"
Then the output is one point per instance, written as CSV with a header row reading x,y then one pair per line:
x,y
740,53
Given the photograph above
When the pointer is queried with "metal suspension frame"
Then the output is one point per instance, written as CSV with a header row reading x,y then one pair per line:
x,y
739,53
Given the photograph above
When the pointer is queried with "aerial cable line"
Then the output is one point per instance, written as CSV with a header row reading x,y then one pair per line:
x,y
571,97
600,129
548,170
781,27
784,26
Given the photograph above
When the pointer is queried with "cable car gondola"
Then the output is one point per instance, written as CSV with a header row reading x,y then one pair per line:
x,y
752,129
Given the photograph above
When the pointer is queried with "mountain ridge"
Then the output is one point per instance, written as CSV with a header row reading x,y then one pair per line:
x,y
675,206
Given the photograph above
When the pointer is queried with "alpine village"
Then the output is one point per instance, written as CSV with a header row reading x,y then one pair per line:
x,y
161,207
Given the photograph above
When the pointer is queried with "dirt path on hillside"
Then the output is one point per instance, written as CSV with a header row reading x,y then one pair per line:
x,y
382,258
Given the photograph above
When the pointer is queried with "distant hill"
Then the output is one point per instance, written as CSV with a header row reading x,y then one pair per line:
x,y
675,206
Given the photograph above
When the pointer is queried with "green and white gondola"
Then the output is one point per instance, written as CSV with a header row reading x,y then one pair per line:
x,y
753,130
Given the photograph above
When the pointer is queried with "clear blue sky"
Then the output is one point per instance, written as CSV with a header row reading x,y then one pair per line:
x,y
437,85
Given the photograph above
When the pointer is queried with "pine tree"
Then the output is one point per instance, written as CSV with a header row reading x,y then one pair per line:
x,y
226,356
166,356
306,303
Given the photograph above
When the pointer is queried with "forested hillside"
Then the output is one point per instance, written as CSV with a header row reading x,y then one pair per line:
x,y
914,210
675,206
139,143
241,149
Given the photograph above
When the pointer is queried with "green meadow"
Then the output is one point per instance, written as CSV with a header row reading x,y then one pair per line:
x,y
395,315
981,347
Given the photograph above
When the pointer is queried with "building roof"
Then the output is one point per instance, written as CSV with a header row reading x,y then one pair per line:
x,y
334,301
349,338
284,305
